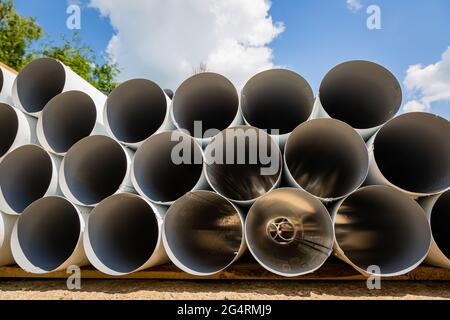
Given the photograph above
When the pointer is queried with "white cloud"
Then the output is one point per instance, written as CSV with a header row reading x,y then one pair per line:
x,y
354,5
165,40
429,84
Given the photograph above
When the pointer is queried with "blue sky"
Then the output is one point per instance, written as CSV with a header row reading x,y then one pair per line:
x,y
318,34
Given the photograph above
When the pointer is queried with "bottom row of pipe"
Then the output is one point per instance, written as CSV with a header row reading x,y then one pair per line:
x,y
378,230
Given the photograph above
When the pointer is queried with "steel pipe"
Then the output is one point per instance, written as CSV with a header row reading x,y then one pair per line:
x,y
48,236
7,78
95,168
136,110
362,94
27,174
123,235
6,226
166,166
289,232
381,231
326,158
43,79
412,153
243,163
203,233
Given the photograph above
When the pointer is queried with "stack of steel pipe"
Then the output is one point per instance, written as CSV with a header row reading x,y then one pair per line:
x,y
145,176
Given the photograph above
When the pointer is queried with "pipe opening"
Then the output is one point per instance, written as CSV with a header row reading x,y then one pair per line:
x,y
413,152
156,171
2,79
94,169
136,109
361,93
68,118
39,82
243,163
277,99
207,97
203,231
9,125
48,232
327,158
25,176
123,233
304,232
381,226
440,222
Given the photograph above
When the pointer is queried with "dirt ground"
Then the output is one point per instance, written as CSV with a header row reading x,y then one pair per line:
x,y
219,290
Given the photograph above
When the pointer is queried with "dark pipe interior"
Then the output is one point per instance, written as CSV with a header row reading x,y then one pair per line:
x,y
48,232
123,232
242,181
440,222
277,99
313,240
1,80
413,152
206,97
39,82
136,109
9,124
68,118
381,226
361,93
327,158
25,175
203,231
169,93
156,173
94,169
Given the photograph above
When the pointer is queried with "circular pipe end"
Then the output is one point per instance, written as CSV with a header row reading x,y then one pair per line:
x,y
9,126
440,222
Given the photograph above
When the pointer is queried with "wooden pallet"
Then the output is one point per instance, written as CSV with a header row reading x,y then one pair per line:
x,y
335,271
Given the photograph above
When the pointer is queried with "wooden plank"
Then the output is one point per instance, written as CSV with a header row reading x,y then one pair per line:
x,y
8,68
242,271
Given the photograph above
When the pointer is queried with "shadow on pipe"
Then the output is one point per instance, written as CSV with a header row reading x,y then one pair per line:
x,y
203,233
124,235
289,232
277,99
327,158
135,110
207,97
95,168
382,227
412,153
242,164
26,174
6,226
48,236
158,173
65,120
363,94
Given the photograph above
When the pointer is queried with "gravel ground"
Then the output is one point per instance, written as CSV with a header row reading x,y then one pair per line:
x,y
220,290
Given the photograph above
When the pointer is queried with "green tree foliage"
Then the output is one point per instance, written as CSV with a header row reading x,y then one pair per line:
x,y
18,34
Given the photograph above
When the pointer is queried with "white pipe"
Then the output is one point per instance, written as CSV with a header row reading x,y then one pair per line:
x,y
289,232
326,158
6,226
95,168
382,227
277,99
65,120
437,209
43,79
27,174
7,78
123,235
168,165
135,110
209,98
203,233
363,94
412,154
48,236
16,129
243,163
